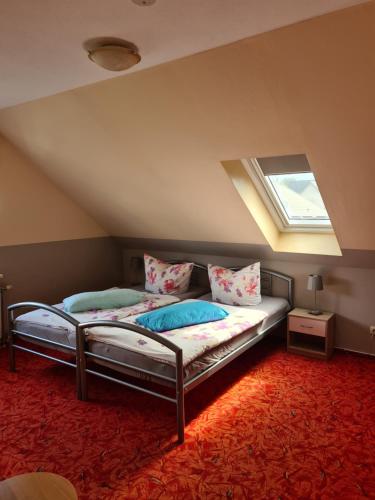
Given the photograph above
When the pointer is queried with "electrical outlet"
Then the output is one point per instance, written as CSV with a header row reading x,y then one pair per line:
x,y
1,276
372,330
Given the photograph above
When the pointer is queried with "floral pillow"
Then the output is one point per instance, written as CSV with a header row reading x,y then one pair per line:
x,y
237,288
170,279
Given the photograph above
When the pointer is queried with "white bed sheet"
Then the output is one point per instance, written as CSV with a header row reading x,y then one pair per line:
x,y
194,340
274,307
45,324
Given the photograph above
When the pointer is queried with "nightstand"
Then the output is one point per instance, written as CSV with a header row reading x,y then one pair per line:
x,y
310,335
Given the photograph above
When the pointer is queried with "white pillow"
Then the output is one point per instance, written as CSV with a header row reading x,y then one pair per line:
x,y
238,288
165,278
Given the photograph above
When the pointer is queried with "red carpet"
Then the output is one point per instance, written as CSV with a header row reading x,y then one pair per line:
x,y
270,426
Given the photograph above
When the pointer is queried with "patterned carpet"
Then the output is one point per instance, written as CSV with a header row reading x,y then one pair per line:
x,y
269,426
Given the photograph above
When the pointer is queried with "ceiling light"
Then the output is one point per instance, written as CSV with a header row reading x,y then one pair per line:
x,y
144,3
112,53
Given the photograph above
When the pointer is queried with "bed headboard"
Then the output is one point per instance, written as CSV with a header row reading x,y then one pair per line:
x,y
273,283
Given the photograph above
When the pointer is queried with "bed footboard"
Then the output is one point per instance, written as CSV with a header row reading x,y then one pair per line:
x,y
178,380
15,334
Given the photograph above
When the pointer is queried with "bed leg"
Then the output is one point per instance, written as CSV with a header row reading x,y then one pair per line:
x,y
81,375
180,398
181,421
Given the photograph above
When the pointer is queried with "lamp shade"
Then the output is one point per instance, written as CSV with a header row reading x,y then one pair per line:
x,y
314,282
114,57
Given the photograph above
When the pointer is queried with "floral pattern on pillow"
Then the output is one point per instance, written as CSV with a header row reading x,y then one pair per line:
x,y
236,288
165,278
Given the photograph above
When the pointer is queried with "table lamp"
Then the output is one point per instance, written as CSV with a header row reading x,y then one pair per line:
x,y
315,282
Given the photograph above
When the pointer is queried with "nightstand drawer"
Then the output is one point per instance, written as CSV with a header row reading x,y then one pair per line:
x,y
308,326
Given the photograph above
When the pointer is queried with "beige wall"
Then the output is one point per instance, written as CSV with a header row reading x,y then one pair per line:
x,y
142,152
32,208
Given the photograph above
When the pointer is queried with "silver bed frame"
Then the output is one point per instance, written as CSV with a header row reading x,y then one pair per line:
x,y
82,353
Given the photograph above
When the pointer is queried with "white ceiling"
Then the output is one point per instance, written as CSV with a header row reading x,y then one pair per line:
x,y
41,40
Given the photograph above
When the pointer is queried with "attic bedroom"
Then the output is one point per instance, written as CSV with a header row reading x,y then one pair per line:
x,y
187,249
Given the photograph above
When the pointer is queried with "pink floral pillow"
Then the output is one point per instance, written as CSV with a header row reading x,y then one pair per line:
x,y
162,277
237,288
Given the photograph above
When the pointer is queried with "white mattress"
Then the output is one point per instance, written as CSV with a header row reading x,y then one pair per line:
x,y
45,324
51,327
276,308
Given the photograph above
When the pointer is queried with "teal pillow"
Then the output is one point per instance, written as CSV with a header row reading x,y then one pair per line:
x,y
180,315
107,299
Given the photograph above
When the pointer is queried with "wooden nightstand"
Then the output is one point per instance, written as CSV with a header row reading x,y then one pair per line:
x,y
310,335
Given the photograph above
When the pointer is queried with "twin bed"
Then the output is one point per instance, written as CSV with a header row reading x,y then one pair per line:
x,y
180,359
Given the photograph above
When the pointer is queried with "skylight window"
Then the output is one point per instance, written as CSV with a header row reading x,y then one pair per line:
x,y
289,189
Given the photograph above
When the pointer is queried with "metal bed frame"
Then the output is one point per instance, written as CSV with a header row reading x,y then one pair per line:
x,y
83,354
15,334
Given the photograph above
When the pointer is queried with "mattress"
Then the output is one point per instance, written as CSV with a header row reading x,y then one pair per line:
x,y
275,308
46,325
194,340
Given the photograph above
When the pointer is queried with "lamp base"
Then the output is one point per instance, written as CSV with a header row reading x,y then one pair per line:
x,y
316,312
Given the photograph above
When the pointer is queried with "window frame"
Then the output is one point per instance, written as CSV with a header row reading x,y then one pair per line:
x,y
274,206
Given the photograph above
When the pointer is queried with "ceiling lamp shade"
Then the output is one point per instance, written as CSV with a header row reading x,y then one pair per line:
x,y
144,3
115,56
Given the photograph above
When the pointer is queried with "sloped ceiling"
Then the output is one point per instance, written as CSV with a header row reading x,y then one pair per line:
x,y
41,40
141,153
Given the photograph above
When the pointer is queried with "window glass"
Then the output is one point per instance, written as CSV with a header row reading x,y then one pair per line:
x,y
299,198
